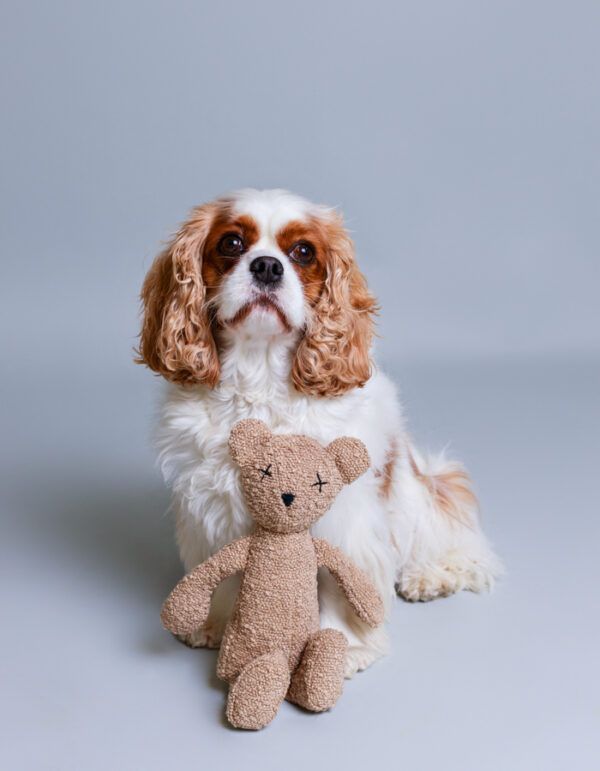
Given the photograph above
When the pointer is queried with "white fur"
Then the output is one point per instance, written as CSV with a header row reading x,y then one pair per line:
x,y
402,541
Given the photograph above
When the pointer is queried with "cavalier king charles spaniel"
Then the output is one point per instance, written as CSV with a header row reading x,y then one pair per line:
x,y
257,309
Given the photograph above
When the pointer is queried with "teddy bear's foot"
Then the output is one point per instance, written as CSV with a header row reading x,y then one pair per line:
x,y
317,683
259,689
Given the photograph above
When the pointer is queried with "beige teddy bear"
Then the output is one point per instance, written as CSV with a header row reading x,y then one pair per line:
x,y
273,647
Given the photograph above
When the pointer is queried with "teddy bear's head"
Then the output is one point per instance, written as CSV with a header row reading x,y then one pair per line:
x,y
290,481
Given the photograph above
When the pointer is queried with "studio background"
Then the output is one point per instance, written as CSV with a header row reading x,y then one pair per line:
x,y
461,141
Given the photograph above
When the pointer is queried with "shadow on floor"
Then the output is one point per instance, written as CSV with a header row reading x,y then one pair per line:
x,y
112,536
117,542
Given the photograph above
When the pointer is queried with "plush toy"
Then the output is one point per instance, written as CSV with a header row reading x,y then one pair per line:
x,y
272,647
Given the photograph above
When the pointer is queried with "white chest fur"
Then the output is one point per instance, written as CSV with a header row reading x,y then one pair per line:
x,y
194,430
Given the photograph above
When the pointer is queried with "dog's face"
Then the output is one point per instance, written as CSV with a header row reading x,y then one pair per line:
x,y
259,264
290,481
264,262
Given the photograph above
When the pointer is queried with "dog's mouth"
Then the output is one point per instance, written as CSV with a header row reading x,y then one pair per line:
x,y
264,302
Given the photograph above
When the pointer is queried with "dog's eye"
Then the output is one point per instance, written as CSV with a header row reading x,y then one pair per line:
x,y
303,253
266,472
231,245
320,482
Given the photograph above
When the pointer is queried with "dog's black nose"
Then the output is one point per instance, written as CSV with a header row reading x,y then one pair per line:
x,y
287,498
266,270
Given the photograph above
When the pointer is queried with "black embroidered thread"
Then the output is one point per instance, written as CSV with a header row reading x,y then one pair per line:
x,y
266,472
320,482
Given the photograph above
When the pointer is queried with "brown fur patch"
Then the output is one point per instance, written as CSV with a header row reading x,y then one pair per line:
x,y
451,491
176,338
312,275
334,355
386,474
214,264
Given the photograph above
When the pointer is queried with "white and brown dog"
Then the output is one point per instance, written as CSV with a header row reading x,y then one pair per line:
x,y
257,309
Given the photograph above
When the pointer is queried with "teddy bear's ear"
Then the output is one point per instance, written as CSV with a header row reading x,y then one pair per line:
x,y
246,438
351,457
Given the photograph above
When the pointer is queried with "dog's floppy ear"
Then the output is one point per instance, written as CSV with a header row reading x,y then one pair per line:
x,y
246,438
176,338
334,355
351,457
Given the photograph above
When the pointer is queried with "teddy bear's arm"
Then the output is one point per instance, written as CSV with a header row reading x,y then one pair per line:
x,y
186,608
355,584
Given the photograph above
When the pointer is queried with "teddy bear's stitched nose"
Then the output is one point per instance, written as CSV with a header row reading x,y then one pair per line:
x,y
287,498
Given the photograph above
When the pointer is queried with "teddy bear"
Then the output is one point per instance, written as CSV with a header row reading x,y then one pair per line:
x,y
273,647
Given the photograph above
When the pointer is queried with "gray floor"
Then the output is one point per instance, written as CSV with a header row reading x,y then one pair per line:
x,y
503,682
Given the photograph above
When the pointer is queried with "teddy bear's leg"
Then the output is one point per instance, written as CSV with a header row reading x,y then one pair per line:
x,y
317,683
259,689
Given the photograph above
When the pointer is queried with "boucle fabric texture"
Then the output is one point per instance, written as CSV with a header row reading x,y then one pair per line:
x,y
317,683
255,696
187,606
272,647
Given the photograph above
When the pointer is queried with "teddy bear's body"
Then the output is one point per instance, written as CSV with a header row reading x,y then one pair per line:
x,y
273,647
277,604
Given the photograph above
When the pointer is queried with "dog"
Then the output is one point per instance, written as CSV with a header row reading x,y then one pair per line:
x,y
257,309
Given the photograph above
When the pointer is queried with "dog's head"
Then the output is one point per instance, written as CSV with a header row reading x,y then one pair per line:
x,y
259,264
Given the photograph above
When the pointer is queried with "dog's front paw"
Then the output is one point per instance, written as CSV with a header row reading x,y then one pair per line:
x,y
449,575
426,586
357,659
208,636
359,656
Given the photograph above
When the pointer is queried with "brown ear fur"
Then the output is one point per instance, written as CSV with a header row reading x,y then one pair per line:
x,y
245,439
334,354
176,338
351,457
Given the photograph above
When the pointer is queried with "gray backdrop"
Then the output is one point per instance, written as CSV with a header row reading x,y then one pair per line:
x,y
461,140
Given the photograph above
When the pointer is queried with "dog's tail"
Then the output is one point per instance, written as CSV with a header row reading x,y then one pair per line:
x,y
447,486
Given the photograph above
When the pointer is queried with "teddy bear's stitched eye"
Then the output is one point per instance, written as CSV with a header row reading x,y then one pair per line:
x,y
320,482
266,472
